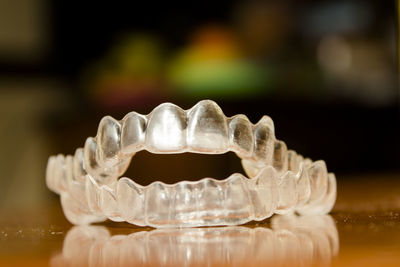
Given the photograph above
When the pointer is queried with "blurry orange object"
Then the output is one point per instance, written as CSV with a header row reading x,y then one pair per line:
x,y
213,65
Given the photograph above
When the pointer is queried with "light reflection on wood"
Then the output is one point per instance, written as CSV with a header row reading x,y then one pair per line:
x,y
291,241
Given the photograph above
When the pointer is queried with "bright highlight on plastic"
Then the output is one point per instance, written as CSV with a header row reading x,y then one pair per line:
x,y
280,180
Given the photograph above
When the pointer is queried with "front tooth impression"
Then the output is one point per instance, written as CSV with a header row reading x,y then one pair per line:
x,y
89,155
264,193
50,174
293,161
133,133
130,197
318,175
210,201
75,189
287,193
280,160
269,122
207,128
108,203
238,205
325,204
76,212
241,135
328,201
158,204
69,170
91,163
60,175
56,177
303,187
166,129
93,195
79,169
185,204
108,140
264,141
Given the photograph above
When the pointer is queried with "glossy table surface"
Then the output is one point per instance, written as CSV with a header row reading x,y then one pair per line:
x,y
363,230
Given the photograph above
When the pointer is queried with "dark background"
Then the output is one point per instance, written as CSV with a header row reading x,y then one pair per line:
x,y
325,71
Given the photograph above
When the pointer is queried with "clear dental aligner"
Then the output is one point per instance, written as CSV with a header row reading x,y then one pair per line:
x,y
281,181
291,241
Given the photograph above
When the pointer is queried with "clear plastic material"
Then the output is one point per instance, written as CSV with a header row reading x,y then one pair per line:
x,y
281,181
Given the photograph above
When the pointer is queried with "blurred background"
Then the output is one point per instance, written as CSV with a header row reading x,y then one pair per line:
x,y
325,71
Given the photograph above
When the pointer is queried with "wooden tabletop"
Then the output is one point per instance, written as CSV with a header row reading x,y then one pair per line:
x,y
363,230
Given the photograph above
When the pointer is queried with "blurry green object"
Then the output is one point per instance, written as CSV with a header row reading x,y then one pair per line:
x,y
213,66
131,72
138,56
217,78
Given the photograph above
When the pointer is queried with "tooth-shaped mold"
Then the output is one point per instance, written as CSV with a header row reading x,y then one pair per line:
x,y
306,161
185,204
293,161
237,203
89,155
130,197
61,175
303,187
109,204
330,198
108,141
166,130
69,169
158,204
269,122
133,133
287,193
56,178
91,165
76,189
77,213
280,158
264,193
79,168
318,176
50,174
93,195
210,201
324,205
241,135
264,140
207,130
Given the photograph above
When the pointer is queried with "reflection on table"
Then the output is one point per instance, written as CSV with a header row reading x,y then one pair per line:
x,y
291,240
